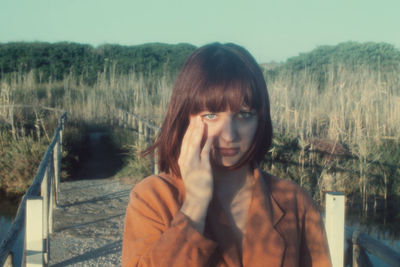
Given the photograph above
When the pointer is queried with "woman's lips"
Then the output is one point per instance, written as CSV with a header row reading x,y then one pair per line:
x,y
227,152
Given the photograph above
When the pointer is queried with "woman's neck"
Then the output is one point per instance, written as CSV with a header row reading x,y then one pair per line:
x,y
228,182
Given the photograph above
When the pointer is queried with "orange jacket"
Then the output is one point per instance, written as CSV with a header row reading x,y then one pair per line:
x,y
283,228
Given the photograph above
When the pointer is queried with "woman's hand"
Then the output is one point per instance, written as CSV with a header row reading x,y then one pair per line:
x,y
195,167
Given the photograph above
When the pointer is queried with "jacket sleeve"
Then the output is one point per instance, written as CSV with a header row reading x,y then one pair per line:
x,y
156,233
314,250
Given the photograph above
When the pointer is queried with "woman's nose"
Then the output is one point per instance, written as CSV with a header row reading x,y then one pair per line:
x,y
229,130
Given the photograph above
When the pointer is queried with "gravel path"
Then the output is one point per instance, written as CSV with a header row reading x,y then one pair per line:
x,y
88,225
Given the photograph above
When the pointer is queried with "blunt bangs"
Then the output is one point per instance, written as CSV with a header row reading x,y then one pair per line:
x,y
223,81
224,97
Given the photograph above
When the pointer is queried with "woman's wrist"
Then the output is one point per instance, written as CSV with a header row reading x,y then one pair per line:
x,y
197,212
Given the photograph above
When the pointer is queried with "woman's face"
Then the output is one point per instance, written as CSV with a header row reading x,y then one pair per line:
x,y
233,134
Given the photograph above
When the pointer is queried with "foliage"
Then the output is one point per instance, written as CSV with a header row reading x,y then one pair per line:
x,y
18,161
74,147
134,166
57,60
320,165
382,58
335,111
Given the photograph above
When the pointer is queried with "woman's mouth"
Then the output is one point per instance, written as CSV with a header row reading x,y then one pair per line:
x,y
227,152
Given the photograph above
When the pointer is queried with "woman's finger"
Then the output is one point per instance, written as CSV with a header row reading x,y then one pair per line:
x,y
194,140
190,147
205,153
187,136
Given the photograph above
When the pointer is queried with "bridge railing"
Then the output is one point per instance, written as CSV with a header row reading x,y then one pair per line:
x,y
35,212
358,243
146,130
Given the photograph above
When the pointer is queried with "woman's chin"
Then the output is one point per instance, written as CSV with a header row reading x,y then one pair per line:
x,y
224,163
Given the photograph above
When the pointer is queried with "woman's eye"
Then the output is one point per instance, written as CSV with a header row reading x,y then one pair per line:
x,y
209,116
245,114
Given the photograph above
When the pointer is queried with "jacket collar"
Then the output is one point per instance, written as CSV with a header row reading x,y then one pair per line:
x,y
263,243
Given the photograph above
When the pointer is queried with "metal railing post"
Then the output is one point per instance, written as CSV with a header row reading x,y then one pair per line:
x,y
56,164
34,232
44,192
9,261
334,224
61,133
51,190
141,138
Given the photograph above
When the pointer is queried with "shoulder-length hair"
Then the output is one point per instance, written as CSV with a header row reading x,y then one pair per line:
x,y
214,78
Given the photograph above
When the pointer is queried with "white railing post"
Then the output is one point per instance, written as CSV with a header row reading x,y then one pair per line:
x,y
34,232
131,120
141,138
334,225
61,134
125,120
155,159
147,135
56,164
9,261
51,190
44,192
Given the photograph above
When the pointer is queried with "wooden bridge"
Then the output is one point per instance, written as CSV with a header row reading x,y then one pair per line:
x,y
81,222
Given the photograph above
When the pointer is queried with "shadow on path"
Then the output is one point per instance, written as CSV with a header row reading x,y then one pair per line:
x,y
102,160
105,197
111,248
89,221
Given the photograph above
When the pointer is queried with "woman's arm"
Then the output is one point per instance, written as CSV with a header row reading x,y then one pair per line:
x,y
161,232
157,234
194,164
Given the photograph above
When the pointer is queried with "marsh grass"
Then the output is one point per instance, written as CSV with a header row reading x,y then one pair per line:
x,y
23,141
357,113
344,137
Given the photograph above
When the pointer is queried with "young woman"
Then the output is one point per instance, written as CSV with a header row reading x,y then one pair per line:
x,y
212,205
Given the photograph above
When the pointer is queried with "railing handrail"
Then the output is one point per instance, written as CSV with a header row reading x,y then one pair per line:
x,y
33,190
372,246
139,118
32,106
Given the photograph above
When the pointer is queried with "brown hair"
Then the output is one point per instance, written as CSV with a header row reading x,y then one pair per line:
x,y
215,77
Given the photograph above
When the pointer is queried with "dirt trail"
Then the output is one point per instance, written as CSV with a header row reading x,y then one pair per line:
x,y
89,223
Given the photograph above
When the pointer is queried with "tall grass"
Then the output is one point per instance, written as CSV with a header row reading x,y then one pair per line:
x,y
354,106
355,121
357,116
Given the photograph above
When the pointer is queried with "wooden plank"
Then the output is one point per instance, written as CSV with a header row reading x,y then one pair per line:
x,y
335,224
34,232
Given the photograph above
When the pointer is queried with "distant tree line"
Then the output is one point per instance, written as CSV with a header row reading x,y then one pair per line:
x,y
55,60
381,58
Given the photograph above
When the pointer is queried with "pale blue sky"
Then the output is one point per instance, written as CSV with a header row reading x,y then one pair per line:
x,y
269,29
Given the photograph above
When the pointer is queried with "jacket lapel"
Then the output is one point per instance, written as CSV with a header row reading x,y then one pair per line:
x,y
263,244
